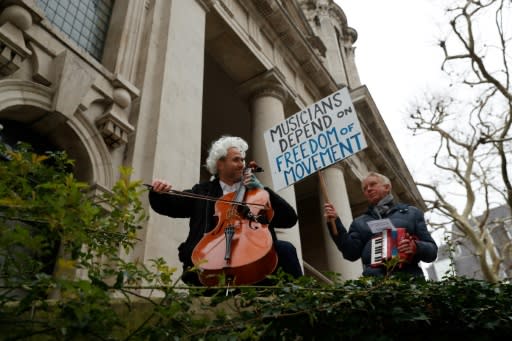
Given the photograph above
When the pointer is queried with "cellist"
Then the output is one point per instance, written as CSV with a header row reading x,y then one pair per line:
x,y
226,163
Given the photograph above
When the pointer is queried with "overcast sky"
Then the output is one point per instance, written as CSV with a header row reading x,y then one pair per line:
x,y
398,60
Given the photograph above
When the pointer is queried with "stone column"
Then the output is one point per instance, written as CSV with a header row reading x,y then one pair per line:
x,y
349,37
124,39
167,141
338,196
330,36
267,109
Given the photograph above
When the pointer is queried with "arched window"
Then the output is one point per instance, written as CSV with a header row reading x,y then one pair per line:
x,y
84,21
16,253
12,132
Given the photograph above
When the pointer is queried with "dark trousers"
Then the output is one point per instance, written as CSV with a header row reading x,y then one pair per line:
x,y
287,258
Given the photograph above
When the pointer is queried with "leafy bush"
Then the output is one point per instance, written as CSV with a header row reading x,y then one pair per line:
x,y
62,278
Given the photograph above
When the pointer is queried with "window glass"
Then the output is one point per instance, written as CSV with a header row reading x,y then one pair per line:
x,y
84,21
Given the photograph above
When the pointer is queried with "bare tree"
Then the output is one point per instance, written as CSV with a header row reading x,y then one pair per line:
x,y
472,122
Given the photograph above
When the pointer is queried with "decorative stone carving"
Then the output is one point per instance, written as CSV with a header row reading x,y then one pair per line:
x,y
114,131
73,80
113,125
122,97
350,34
13,21
97,191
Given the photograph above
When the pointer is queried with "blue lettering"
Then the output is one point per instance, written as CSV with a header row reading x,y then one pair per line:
x,y
299,171
303,150
356,137
347,147
278,162
328,154
287,156
286,173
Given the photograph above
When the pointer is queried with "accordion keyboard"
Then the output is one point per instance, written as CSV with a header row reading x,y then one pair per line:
x,y
379,248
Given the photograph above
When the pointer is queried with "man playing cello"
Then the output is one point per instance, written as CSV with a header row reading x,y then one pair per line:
x,y
226,162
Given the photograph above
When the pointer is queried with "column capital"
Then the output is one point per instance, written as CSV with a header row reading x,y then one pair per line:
x,y
340,166
270,90
266,84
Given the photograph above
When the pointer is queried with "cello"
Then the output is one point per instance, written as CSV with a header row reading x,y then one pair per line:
x,y
240,247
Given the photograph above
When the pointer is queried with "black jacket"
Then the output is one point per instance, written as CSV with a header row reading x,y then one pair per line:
x,y
201,214
356,243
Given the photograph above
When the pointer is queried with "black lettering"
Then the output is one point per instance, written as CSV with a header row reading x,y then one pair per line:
x,y
278,130
298,134
337,101
327,120
327,105
317,126
318,110
283,145
302,119
307,130
348,110
293,123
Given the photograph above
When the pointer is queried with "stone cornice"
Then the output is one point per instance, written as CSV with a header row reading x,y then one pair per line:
x,y
293,39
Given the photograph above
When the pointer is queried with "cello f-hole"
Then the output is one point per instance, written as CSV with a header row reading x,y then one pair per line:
x,y
228,232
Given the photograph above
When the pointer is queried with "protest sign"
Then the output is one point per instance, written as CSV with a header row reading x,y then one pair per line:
x,y
318,136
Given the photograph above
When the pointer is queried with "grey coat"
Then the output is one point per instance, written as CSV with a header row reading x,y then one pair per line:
x,y
356,243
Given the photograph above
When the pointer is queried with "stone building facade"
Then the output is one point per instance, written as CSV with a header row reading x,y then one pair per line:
x,y
149,84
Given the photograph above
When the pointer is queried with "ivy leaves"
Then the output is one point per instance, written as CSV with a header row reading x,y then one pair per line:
x,y
62,277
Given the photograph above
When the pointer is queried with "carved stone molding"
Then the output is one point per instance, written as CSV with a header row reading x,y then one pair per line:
x,y
113,124
113,127
14,20
97,191
270,90
265,7
119,82
297,43
350,34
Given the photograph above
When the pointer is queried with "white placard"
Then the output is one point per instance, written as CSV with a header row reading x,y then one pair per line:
x,y
380,225
318,136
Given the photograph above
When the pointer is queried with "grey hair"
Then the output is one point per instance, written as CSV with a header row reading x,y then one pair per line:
x,y
219,149
385,180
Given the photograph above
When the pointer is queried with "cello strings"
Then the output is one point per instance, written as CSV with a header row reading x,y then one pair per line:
x,y
205,197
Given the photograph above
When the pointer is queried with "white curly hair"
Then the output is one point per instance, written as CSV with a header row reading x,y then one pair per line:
x,y
219,149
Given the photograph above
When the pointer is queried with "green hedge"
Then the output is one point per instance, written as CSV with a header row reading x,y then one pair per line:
x,y
59,241
365,309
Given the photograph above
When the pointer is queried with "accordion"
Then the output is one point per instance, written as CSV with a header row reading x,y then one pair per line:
x,y
384,246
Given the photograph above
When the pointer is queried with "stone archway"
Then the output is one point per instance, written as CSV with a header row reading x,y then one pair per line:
x,y
29,105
